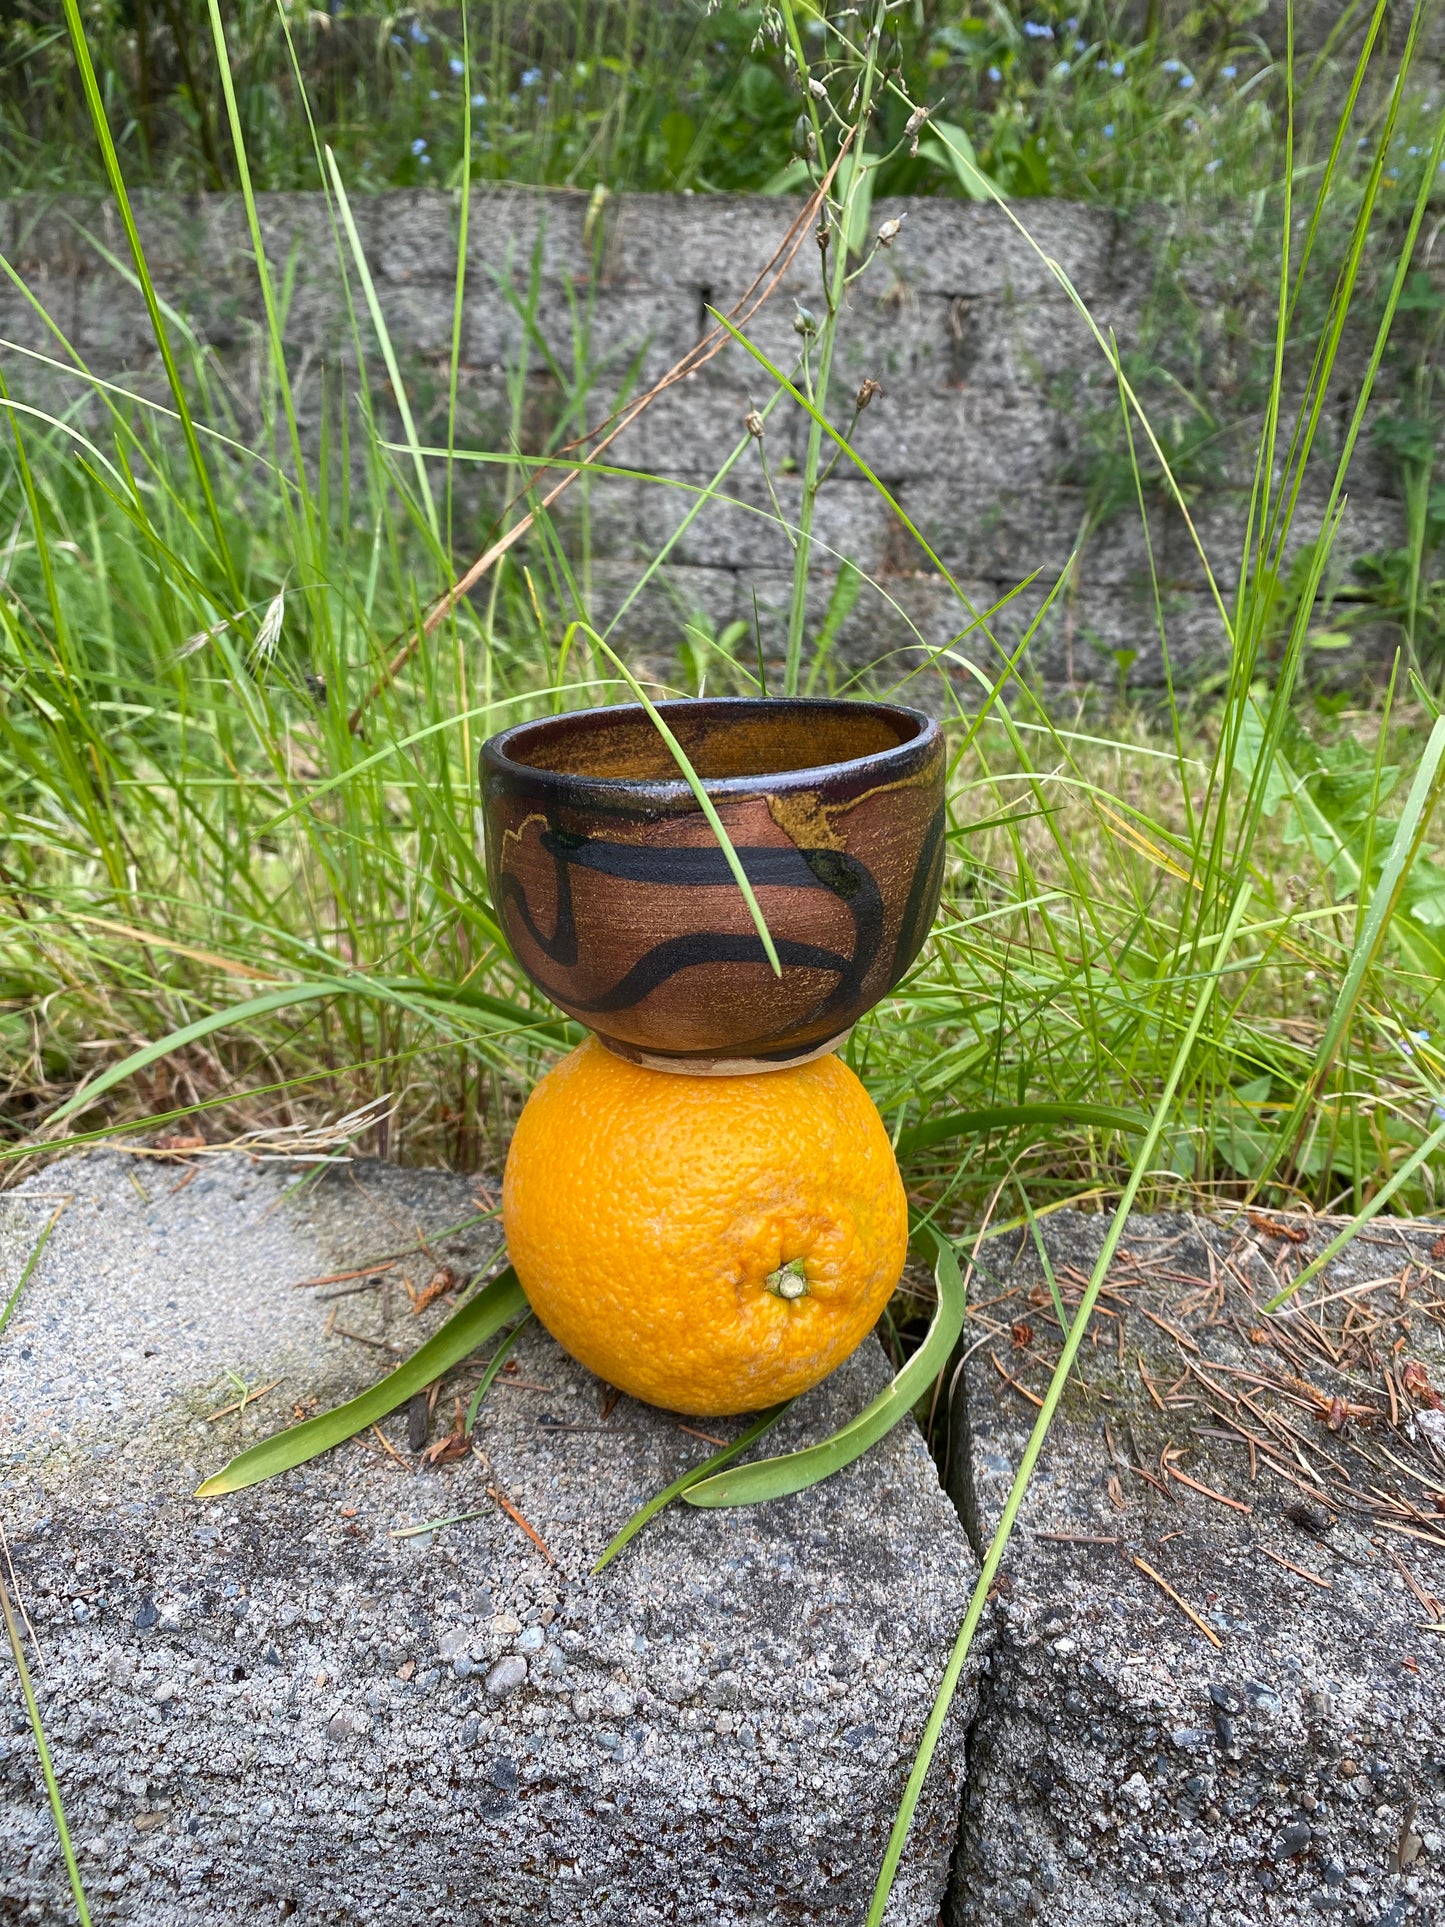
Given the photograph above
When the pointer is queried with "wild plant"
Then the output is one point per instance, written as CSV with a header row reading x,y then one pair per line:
x,y
247,676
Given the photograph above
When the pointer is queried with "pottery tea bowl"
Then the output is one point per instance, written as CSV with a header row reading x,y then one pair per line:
x,y
619,904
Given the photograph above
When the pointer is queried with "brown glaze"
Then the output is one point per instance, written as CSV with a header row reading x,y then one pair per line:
x,y
618,901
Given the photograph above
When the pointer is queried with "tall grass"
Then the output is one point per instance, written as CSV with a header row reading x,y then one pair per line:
x,y
192,627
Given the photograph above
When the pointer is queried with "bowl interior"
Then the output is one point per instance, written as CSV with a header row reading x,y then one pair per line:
x,y
721,739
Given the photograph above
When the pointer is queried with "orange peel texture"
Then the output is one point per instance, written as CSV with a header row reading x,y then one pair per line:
x,y
708,1244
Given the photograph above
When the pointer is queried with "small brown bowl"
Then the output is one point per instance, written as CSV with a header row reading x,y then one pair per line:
x,y
619,904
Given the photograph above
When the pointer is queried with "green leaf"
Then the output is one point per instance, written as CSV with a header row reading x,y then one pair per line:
x,y
383,337
203,1027
694,783
30,1263
1334,812
840,607
791,178
678,133
1409,835
855,195
639,1519
794,1471
1002,1117
495,1305
412,995
950,148
494,1365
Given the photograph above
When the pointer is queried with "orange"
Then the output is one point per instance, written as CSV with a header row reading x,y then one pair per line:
x,y
709,1244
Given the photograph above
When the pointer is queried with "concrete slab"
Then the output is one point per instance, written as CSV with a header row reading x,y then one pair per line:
x,y
268,1707
1253,1731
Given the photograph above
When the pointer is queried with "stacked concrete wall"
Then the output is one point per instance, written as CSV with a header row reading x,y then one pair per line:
x,y
990,377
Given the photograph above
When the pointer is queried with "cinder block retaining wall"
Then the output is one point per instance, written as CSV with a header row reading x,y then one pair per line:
x,y
986,371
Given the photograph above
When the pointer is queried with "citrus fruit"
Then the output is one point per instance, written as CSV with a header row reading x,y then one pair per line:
x,y
709,1244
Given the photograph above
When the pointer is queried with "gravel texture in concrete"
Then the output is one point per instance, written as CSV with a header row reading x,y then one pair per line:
x,y
267,1706
1217,1693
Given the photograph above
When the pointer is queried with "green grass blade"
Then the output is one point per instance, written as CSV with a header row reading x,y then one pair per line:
x,y
1409,834
383,336
30,1263
795,1471
52,1790
1405,847
1044,1259
816,417
853,199
694,783
494,1365
111,159
412,995
994,1557
763,1423
495,1305
1377,1203
272,1000
459,285
1003,1117
394,747
435,1525
277,364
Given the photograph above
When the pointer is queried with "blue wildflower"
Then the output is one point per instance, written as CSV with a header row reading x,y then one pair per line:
x,y
1229,72
418,146
1117,70
433,94
1186,80
531,76
1038,30
457,66
419,33
1108,130
994,75
479,100
1172,66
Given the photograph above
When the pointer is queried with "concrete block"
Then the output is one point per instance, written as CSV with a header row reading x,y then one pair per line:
x,y
961,248
509,226
717,242
269,1703
991,381
610,330
1253,1728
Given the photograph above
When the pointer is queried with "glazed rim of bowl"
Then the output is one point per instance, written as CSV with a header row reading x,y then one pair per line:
x,y
733,742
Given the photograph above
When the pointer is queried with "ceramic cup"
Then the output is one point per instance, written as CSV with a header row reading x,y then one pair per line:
x,y
619,904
